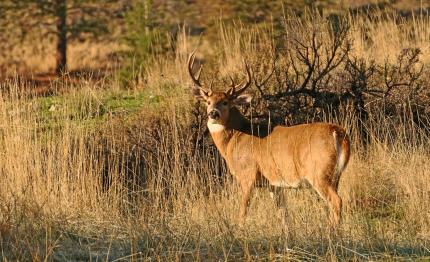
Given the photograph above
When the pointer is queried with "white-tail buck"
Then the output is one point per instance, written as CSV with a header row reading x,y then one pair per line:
x,y
285,156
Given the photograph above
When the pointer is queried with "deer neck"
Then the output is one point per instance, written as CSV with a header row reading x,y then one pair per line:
x,y
237,123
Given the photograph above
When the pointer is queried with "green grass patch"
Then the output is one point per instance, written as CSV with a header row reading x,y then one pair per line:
x,y
90,108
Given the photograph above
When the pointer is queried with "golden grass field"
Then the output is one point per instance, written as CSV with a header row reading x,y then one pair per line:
x,y
164,201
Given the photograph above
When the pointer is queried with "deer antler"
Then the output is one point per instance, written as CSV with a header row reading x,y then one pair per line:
x,y
195,78
242,86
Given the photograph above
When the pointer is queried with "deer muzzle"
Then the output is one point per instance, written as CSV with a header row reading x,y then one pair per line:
x,y
214,114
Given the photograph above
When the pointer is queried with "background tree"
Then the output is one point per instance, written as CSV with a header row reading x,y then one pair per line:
x,y
146,34
63,19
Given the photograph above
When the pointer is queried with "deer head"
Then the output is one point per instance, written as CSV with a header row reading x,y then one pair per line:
x,y
219,103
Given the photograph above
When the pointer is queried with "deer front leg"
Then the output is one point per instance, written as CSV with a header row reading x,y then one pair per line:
x,y
246,185
278,195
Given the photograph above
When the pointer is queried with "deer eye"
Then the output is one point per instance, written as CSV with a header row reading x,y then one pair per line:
x,y
224,103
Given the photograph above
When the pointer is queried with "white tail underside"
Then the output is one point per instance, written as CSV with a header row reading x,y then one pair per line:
x,y
340,163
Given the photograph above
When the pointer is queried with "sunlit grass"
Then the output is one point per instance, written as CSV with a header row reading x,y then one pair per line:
x,y
102,173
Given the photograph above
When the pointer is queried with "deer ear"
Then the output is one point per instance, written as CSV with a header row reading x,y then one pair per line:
x,y
243,99
200,94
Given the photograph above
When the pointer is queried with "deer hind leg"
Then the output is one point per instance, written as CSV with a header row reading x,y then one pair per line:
x,y
328,192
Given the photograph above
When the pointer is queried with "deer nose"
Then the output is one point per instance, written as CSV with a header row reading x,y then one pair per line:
x,y
214,114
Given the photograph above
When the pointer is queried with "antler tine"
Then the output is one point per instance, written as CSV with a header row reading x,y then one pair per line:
x,y
191,59
195,78
231,81
245,85
210,86
232,88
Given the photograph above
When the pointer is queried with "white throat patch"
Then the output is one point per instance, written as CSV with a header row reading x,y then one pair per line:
x,y
215,128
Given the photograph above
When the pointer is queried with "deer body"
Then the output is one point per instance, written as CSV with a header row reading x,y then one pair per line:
x,y
317,153
284,156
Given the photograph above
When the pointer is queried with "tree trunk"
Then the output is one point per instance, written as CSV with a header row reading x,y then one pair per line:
x,y
61,57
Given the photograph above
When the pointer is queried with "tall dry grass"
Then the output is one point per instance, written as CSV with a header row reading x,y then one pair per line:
x,y
69,192
55,205
382,36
